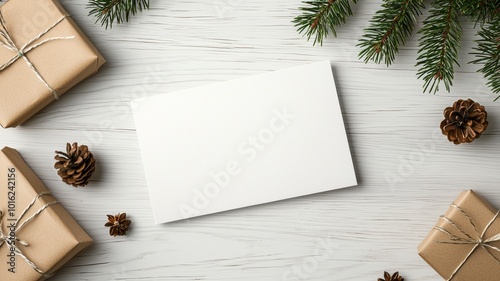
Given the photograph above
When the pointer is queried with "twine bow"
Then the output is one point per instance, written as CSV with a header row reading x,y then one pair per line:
x,y
12,241
8,43
479,242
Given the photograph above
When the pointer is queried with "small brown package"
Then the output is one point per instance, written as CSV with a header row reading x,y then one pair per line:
x,y
46,235
465,243
36,71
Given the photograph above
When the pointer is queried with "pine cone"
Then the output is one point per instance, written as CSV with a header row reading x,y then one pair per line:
x,y
394,277
464,122
76,166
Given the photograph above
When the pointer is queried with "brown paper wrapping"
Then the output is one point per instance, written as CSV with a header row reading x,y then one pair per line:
x,y
62,63
445,258
54,237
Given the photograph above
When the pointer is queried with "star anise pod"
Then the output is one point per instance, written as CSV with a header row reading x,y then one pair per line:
x,y
464,121
119,224
394,277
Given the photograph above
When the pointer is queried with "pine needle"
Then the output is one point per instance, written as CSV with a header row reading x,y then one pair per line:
x,y
110,11
439,45
488,54
320,17
479,11
389,29
441,33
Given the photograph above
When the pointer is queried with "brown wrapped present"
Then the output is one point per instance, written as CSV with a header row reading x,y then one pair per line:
x,y
37,235
43,53
465,243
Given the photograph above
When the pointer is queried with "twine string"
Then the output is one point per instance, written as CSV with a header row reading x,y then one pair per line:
x,y
479,242
4,239
26,48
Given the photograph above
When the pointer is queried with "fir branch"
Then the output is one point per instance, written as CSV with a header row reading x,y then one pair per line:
x,y
119,11
319,17
488,53
389,29
479,11
439,45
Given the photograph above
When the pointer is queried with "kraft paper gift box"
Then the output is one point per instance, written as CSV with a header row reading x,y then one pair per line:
x,y
465,243
35,227
43,53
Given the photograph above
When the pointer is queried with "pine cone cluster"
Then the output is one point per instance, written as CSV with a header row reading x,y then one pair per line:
x,y
464,121
76,165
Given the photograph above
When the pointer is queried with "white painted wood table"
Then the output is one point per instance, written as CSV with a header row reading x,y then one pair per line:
x,y
408,172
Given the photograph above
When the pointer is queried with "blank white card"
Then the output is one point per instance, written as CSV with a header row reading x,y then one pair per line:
x,y
244,142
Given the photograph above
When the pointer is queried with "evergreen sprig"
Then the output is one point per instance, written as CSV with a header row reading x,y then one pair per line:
x,y
110,11
439,45
440,40
389,29
479,11
488,53
320,17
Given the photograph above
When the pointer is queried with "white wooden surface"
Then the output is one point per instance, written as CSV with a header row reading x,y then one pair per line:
x,y
408,172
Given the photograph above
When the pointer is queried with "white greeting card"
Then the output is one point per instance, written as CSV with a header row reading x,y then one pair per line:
x,y
244,142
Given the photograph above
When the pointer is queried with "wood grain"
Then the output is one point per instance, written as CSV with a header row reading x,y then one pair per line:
x,y
408,172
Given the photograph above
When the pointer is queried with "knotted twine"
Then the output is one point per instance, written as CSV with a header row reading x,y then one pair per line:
x,y
8,43
12,241
479,242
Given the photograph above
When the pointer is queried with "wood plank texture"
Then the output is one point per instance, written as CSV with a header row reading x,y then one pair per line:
x,y
408,172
